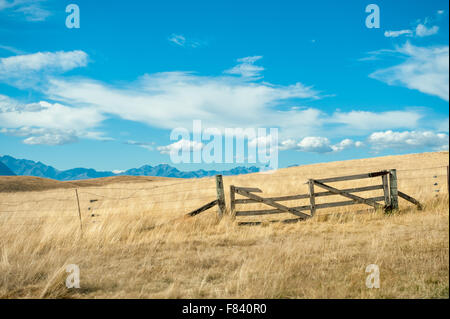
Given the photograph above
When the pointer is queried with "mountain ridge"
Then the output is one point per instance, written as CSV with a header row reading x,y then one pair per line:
x,y
38,169
5,171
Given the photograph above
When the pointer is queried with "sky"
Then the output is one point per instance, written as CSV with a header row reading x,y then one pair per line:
x,y
107,94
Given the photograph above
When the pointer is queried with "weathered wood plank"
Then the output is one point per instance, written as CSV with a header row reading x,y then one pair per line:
x,y
348,195
351,177
318,206
284,221
271,203
275,199
410,199
220,196
387,198
312,199
249,189
202,209
352,190
232,200
316,194
346,203
393,190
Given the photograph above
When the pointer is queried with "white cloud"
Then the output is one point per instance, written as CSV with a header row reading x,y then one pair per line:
x,y
408,140
395,34
178,39
43,136
34,13
250,59
51,139
29,70
60,61
288,144
56,116
46,123
246,67
318,144
262,141
174,99
148,146
182,41
32,10
181,145
315,144
364,120
420,30
264,144
424,31
426,69
346,144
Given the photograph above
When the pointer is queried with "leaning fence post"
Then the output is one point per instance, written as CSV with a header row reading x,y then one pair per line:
x,y
220,196
393,190
232,203
312,197
387,201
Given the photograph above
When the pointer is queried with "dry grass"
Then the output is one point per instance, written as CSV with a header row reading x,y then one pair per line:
x,y
122,255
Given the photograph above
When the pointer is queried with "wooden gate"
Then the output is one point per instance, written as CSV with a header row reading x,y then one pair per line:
x,y
388,201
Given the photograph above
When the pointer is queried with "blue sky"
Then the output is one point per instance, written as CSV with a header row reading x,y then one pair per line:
x,y
107,95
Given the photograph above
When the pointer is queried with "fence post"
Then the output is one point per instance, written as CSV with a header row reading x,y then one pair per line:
x,y
220,196
387,199
232,203
393,190
312,197
79,212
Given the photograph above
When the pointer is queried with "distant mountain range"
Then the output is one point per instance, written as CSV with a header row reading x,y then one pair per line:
x,y
5,171
30,168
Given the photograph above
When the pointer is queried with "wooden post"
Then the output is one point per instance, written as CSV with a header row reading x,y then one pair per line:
x,y
393,190
232,203
312,198
79,211
387,198
220,196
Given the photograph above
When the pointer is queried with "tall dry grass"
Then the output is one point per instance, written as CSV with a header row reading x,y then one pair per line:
x,y
121,254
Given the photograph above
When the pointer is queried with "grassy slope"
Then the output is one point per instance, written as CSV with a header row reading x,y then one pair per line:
x,y
122,255
12,184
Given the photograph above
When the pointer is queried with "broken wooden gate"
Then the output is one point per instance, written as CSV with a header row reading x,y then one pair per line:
x,y
388,202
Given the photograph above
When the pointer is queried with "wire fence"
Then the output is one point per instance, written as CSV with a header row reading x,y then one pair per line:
x,y
101,200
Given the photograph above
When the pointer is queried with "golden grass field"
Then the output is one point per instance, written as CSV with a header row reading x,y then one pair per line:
x,y
121,254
